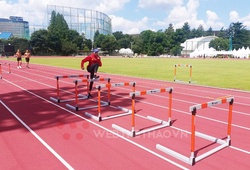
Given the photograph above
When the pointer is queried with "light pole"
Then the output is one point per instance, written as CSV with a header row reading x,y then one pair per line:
x,y
231,34
131,44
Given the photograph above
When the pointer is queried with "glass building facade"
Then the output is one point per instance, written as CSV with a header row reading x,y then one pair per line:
x,y
16,25
84,21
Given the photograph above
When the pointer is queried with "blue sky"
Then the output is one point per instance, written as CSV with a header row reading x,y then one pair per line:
x,y
134,16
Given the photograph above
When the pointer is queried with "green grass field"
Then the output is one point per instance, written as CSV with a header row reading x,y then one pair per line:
x,y
225,73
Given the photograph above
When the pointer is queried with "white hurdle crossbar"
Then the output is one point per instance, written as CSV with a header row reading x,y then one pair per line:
x,y
57,99
162,123
223,143
76,108
126,111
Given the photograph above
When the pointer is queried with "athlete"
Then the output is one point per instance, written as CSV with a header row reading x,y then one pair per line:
x,y
94,62
18,56
27,58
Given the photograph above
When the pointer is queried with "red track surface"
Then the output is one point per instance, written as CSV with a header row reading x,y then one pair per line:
x,y
38,133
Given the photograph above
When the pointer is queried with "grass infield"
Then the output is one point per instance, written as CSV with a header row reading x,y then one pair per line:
x,y
223,73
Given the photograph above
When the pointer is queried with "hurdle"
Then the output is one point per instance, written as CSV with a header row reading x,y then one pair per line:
x,y
9,69
76,108
183,65
223,143
1,71
57,99
162,123
126,111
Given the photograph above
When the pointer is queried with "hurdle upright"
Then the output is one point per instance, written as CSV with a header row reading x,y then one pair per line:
x,y
162,123
1,71
9,69
183,65
76,108
126,111
57,99
223,143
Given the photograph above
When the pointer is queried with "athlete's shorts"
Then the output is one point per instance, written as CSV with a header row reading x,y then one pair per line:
x,y
27,60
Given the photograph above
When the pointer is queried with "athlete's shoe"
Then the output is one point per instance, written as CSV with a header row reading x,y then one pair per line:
x,y
90,96
96,76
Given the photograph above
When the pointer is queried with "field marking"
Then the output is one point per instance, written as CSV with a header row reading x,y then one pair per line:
x,y
207,118
108,130
238,126
65,163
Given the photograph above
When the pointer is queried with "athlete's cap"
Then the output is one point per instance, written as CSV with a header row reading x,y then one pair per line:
x,y
95,50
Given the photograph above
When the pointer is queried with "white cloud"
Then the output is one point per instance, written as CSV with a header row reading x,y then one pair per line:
x,y
128,27
176,12
246,21
109,6
234,16
35,11
188,13
158,3
180,14
213,21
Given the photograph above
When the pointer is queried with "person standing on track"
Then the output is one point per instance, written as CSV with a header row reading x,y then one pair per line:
x,y
94,62
18,56
27,58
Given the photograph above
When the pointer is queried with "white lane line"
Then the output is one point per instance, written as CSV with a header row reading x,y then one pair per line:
x,y
207,118
108,130
241,150
39,138
238,126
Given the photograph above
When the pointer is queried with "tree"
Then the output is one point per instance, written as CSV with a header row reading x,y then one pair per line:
x,y
58,39
177,38
219,44
118,35
98,40
186,30
209,32
39,42
146,37
109,43
20,43
137,44
239,35
169,43
87,45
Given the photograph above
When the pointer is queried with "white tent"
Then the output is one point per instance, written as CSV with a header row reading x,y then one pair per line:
x,y
126,52
240,53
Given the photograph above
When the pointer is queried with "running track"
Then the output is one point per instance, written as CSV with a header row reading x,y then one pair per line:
x,y
38,133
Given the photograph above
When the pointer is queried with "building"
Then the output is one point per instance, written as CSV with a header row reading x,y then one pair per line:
x,y
84,21
200,44
5,35
15,25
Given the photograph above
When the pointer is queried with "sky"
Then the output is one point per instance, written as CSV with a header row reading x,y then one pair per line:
x,y
135,16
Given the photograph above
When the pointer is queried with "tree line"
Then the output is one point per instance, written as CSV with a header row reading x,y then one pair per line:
x,y
58,39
